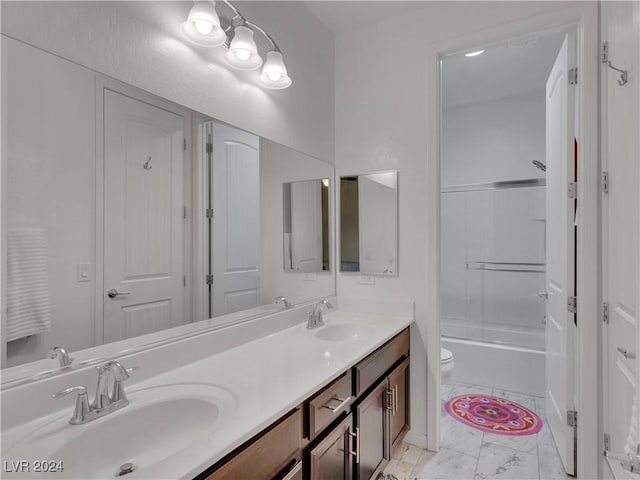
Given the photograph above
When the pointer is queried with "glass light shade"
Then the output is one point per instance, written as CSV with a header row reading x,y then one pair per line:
x,y
243,53
203,25
274,73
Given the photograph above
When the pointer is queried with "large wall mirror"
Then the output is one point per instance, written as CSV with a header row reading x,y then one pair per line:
x,y
126,214
369,223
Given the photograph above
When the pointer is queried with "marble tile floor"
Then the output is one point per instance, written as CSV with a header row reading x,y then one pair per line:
x,y
470,454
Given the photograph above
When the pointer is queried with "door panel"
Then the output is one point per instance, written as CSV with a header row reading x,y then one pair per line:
x,y
372,420
330,459
560,251
306,226
399,413
143,229
620,126
236,220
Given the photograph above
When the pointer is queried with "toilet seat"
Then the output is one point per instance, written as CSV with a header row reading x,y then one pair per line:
x,y
445,355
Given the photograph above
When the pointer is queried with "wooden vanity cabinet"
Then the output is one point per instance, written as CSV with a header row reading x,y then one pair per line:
x,y
276,454
348,430
331,458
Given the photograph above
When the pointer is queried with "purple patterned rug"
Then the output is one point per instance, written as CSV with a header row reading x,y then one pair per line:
x,y
493,414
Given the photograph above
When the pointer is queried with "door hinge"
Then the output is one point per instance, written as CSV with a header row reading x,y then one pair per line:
x,y
209,148
184,281
209,212
184,144
209,279
572,418
605,312
605,182
573,76
604,52
572,305
607,443
572,190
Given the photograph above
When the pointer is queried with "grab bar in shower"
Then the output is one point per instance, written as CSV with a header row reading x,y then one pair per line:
x,y
516,267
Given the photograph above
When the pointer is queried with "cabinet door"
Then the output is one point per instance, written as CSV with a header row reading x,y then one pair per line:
x,y
372,428
399,395
331,458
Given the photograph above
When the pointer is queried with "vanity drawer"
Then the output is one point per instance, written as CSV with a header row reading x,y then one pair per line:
x,y
270,456
369,370
329,404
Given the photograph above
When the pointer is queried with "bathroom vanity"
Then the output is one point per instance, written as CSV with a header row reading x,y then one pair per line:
x,y
349,429
268,398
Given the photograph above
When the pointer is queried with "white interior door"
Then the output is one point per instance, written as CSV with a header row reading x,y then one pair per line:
x,y
560,268
620,127
306,226
143,205
236,220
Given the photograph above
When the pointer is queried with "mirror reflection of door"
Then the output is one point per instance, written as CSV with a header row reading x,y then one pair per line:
x,y
143,259
235,232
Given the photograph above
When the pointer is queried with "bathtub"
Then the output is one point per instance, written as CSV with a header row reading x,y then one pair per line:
x,y
496,365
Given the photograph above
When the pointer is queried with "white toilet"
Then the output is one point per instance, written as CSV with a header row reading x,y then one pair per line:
x,y
446,365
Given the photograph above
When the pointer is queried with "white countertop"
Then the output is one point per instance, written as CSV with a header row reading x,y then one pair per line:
x,y
266,378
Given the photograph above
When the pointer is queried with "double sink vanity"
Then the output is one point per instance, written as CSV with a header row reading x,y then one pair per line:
x,y
270,398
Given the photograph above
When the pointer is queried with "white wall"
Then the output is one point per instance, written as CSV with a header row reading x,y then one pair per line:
x,y
493,141
141,43
277,166
381,124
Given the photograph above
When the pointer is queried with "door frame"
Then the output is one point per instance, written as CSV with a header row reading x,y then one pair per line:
x,y
584,18
102,83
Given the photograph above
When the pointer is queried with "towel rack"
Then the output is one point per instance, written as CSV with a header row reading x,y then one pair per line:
x,y
515,267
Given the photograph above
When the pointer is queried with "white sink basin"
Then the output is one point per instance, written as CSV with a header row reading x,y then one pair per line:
x,y
158,423
342,332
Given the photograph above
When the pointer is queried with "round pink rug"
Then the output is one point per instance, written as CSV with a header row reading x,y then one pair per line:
x,y
493,414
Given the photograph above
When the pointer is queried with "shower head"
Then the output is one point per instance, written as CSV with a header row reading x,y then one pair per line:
x,y
539,165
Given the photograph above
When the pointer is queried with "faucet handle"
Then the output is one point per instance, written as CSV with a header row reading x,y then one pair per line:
x,y
82,408
62,393
62,356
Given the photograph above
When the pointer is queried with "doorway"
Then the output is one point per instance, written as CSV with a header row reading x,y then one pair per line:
x,y
506,258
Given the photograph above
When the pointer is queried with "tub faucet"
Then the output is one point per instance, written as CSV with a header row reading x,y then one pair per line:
x,y
284,301
315,317
62,356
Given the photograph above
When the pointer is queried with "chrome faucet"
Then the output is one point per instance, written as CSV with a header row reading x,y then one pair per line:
x,y
62,356
104,402
315,317
284,301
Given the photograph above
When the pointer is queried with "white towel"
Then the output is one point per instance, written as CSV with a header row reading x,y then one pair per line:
x,y
28,306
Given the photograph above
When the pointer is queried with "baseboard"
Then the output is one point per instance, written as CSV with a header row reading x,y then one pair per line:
x,y
416,439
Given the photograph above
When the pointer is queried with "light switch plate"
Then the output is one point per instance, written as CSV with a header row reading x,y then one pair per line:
x,y
83,272
366,280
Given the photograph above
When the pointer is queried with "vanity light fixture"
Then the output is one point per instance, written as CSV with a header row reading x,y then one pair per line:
x,y
203,27
474,54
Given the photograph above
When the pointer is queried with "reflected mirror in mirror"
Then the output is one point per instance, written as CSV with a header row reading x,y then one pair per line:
x,y
127,214
306,226
369,223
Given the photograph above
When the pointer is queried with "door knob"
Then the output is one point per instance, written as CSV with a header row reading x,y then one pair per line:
x,y
544,295
113,293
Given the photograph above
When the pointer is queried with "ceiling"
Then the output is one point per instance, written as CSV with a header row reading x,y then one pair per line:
x,y
503,70
338,15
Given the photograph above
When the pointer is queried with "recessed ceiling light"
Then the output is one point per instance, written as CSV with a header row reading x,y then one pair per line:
x,y
474,54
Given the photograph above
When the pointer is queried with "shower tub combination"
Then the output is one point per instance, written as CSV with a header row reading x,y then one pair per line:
x,y
492,268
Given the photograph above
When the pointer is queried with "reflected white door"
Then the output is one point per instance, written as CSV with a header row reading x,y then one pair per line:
x,y
620,224
143,220
560,252
306,226
236,220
